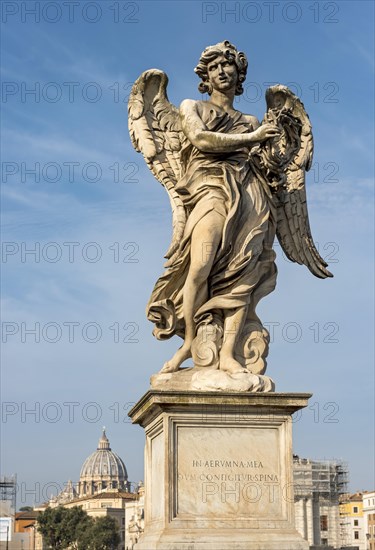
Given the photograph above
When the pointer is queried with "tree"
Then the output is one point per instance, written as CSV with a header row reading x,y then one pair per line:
x,y
72,528
60,526
100,534
26,509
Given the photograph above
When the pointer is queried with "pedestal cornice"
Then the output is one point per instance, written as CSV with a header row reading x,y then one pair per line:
x,y
153,402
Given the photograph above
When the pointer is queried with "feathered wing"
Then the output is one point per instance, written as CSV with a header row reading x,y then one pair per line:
x,y
283,163
155,131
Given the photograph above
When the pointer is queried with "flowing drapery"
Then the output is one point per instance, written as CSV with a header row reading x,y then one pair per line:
x,y
243,270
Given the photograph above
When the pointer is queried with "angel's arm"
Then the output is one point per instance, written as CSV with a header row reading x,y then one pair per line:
x,y
217,142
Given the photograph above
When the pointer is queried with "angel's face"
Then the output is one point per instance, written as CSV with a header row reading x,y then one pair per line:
x,y
222,74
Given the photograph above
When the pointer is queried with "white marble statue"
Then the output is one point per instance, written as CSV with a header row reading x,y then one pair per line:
x,y
233,185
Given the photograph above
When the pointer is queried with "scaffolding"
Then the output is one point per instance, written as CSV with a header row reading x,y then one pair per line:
x,y
8,490
324,483
324,478
330,478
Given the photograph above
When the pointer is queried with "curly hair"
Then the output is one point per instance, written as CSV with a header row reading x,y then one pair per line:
x,y
230,52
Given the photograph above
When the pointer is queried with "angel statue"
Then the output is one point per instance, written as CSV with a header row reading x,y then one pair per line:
x,y
233,185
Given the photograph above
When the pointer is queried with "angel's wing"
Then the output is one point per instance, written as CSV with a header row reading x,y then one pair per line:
x,y
155,131
284,162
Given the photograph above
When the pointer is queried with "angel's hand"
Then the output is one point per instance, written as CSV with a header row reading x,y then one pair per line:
x,y
265,132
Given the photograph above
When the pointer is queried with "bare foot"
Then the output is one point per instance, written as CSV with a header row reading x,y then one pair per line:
x,y
179,357
230,365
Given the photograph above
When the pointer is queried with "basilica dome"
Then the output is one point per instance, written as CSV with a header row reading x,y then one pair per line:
x,y
102,470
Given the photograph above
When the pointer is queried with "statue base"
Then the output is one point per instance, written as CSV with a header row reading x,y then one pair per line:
x,y
209,379
218,470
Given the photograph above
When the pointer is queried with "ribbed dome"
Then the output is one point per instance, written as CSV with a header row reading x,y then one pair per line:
x,y
103,468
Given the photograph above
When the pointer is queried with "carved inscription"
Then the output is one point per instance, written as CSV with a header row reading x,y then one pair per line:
x,y
231,471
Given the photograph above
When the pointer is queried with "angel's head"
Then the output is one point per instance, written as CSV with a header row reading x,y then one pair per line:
x,y
227,51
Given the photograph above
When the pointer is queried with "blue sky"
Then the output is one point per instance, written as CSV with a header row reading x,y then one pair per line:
x,y
100,223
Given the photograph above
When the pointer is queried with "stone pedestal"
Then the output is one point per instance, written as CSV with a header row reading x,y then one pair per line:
x,y
218,470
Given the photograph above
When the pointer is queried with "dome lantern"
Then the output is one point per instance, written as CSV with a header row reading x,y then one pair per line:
x,y
104,442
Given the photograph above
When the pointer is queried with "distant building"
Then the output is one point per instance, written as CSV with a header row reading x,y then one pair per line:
x,y
369,519
68,493
102,470
352,522
9,538
107,503
102,490
318,485
134,519
23,521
